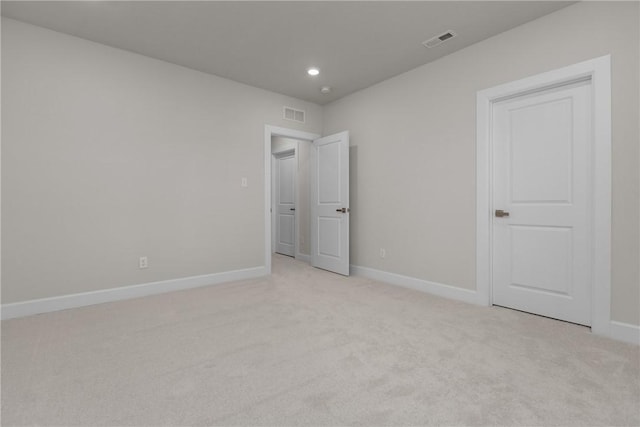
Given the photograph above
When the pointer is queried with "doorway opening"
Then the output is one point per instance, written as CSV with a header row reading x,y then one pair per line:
x,y
290,216
279,138
328,195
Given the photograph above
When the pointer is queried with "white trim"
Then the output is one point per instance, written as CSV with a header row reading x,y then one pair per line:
x,y
273,204
598,70
439,289
625,332
270,131
618,331
296,178
45,305
601,272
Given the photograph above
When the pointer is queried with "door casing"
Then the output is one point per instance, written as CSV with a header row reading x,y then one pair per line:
x,y
598,71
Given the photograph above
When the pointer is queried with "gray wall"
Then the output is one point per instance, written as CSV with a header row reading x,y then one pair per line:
x,y
108,156
413,183
304,216
280,144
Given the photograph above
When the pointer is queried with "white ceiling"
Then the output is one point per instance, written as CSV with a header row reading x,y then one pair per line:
x,y
271,44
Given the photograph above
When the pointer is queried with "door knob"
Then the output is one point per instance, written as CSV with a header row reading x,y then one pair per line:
x,y
292,209
500,213
343,210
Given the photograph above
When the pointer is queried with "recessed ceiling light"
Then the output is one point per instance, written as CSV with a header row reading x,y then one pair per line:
x,y
313,71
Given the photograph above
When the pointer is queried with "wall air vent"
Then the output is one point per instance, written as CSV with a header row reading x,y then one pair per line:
x,y
435,41
293,114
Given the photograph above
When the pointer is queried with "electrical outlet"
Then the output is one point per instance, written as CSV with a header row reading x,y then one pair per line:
x,y
143,262
243,182
383,252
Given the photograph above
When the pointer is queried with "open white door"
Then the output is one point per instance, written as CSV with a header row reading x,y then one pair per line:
x,y
330,203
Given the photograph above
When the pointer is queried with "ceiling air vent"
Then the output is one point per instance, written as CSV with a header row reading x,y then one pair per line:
x,y
435,41
293,114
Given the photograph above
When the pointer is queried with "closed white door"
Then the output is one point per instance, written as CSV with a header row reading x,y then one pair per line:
x,y
286,204
330,203
541,187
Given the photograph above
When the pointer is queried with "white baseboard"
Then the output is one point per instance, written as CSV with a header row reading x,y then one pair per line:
x,y
303,257
45,305
618,330
445,291
625,332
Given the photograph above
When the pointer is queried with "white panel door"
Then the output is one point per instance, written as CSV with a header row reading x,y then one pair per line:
x,y
286,204
541,245
330,203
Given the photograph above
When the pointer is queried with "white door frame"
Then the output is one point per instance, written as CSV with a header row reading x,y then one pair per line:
x,y
269,132
598,71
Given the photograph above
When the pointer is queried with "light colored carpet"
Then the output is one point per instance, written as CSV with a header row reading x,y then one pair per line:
x,y
307,347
